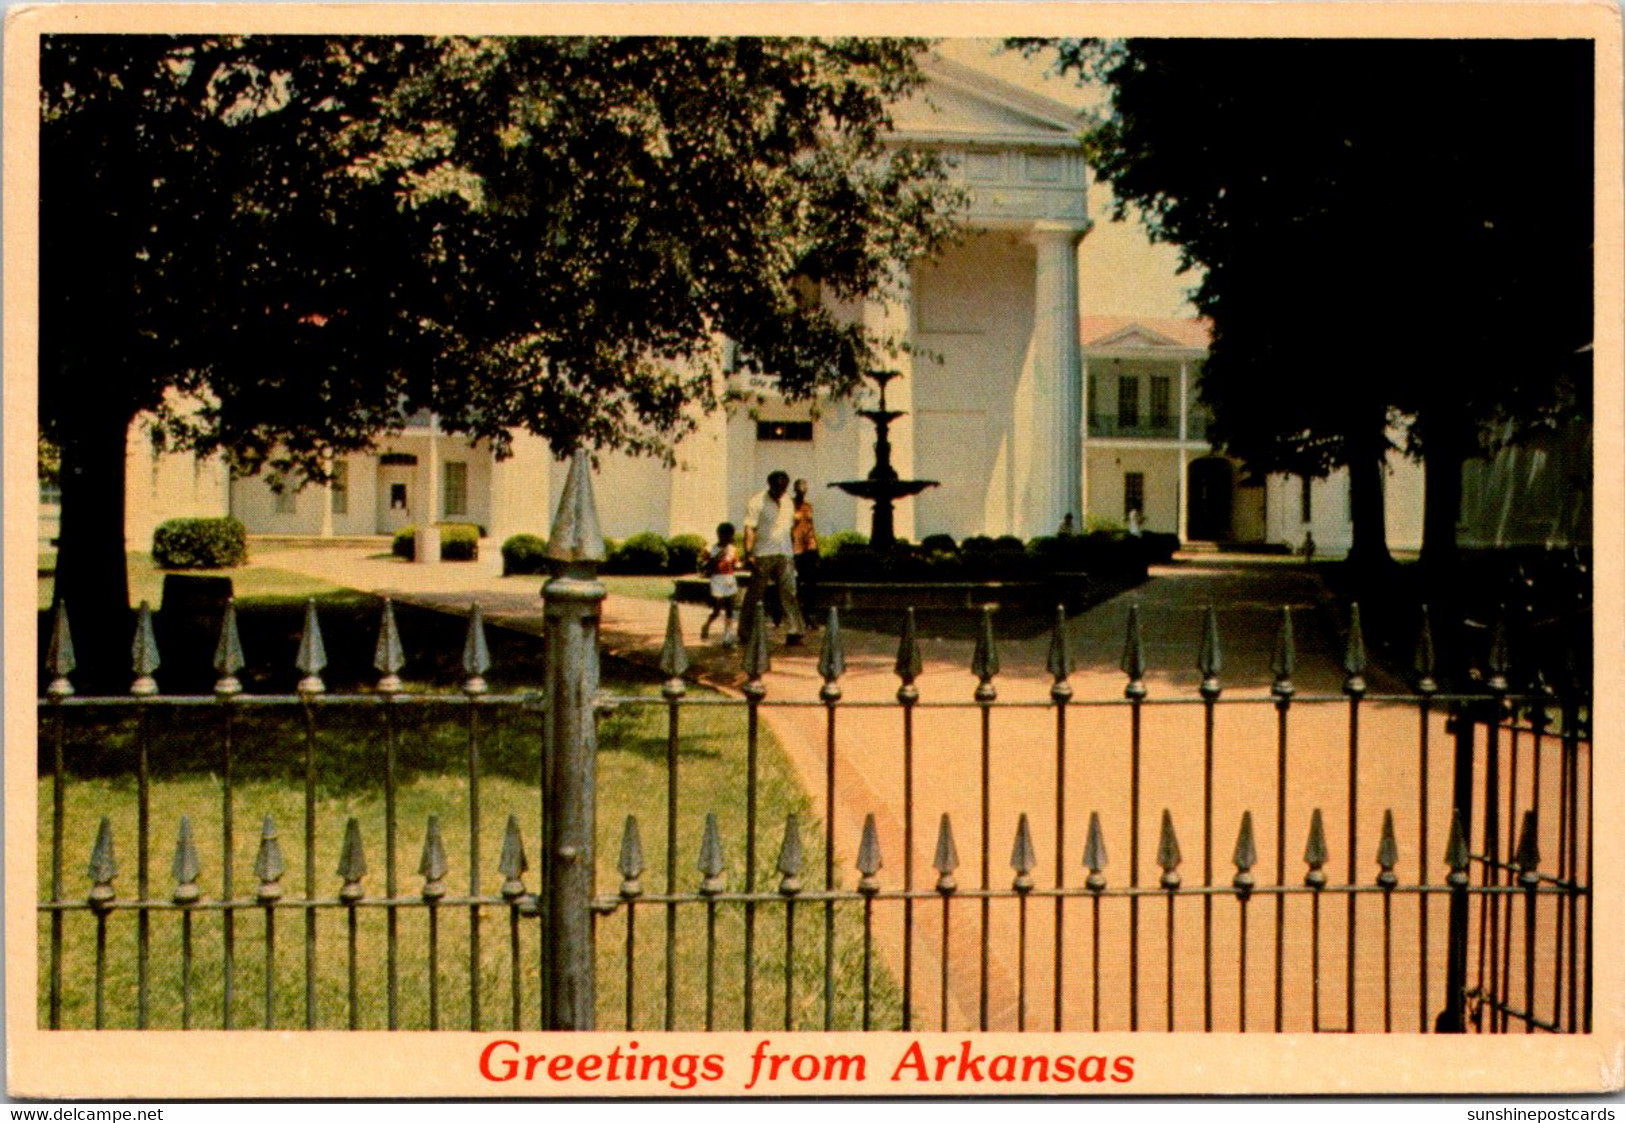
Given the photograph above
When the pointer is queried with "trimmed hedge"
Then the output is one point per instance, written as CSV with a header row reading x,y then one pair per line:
x,y
684,553
524,554
1104,555
830,545
644,553
200,544
458,542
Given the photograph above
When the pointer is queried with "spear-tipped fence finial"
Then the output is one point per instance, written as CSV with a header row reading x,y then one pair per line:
x,y
1423,662
103,869
268,864
432,866
511,862
1168,856
984,661
1456,855
1354,655
59,660
711,863
674,660
1094,855
144,654
1527,856
1498,662
790,858
630,862
352,863
388,657
909,663
1245,856
476,652
1023,858
757,656
1209,660
312,658
185,868
946,860
1387,852
576,537
1315,854
831,658
1133,661
1285,658
228,654
1058,662
869,862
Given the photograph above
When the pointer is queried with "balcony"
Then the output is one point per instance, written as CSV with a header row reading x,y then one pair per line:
x,y
1142,426
1137,425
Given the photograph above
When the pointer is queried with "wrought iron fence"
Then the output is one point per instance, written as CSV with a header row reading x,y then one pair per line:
x,y
1476,917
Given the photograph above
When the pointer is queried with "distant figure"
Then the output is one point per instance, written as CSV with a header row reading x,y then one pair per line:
x,y
1067,528
1308,546
1134,527
768,518
720,563
804,541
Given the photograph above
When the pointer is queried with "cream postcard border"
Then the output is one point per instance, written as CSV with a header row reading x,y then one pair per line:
x,y
158,1064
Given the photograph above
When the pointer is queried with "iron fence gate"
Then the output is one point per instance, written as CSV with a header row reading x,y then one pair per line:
x,y
1474,914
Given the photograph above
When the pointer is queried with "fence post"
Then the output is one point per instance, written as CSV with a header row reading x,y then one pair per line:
x,y
1453,1019
572,598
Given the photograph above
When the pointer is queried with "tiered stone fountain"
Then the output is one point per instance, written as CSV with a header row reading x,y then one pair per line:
x,y
882,486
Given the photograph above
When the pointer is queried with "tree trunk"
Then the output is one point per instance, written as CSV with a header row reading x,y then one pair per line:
x,y
90,568
1369,551
1441,506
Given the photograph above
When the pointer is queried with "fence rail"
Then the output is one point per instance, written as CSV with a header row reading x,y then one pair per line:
x,y
1467,908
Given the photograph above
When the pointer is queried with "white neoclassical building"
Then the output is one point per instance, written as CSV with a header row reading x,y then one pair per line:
x,y
1023,404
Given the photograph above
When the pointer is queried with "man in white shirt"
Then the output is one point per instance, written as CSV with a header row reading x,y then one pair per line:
x,y
769,517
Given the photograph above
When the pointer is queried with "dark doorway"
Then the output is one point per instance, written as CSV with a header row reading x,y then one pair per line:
x,y
1211,481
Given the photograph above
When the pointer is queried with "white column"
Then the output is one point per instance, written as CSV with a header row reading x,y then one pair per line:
x,y
327,507
1184,399
1049,467
1184,454
892,321
428,543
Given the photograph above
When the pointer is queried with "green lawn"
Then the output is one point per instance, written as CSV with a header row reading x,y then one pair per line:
x,y
186,765
248,581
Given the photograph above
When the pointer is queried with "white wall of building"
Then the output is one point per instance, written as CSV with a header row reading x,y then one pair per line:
x,y
161,486
973,325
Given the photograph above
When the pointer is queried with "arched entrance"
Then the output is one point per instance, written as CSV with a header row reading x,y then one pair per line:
x,y
1211,482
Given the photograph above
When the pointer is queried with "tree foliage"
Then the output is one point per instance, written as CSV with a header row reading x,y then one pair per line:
x,y
1388,231
284,246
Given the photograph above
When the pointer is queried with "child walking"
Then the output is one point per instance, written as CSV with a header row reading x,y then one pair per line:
x,y
720,564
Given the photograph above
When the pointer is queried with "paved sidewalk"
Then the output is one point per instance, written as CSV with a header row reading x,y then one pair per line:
x,y
1023,763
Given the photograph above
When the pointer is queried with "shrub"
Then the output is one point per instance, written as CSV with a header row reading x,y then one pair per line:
x,y
200,544
458,542
939,544
831,544
524,554
683,553
644,553
1102,524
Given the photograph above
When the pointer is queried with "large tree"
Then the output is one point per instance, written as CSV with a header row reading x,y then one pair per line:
x,y
1389,232
281,247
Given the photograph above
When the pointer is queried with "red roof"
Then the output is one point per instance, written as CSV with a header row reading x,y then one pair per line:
x,y
1191,332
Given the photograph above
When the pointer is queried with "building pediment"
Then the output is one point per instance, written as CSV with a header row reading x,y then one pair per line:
x,y
962,106
1018,152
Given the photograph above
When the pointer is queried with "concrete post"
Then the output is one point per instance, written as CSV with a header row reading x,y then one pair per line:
x,y
572,600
